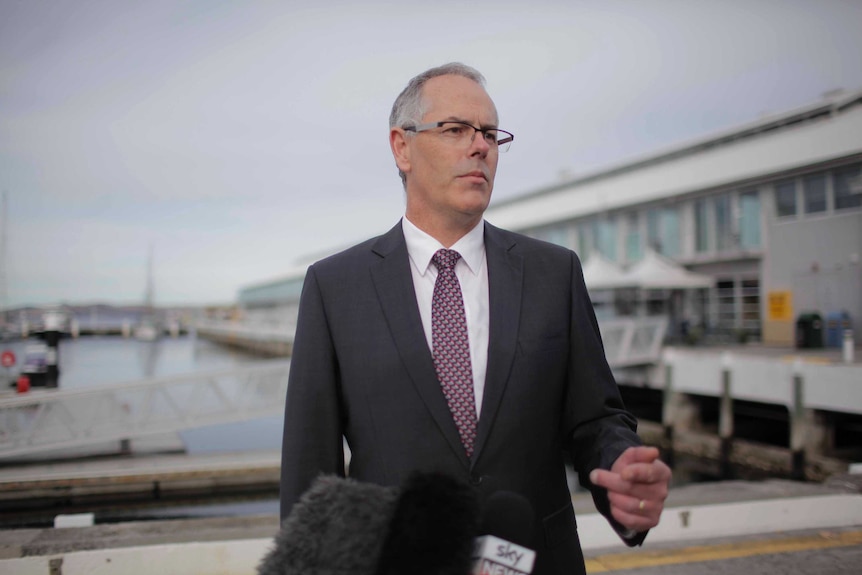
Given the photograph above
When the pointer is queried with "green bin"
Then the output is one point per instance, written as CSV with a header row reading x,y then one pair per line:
x,y
809,330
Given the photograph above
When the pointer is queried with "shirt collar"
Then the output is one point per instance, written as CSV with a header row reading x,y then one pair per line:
x,y
421,246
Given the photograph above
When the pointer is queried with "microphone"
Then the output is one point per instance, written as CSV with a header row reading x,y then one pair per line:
x,y
426,526
507,524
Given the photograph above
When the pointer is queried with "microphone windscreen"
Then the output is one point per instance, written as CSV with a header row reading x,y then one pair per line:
x,y
509,516
337,526
433,528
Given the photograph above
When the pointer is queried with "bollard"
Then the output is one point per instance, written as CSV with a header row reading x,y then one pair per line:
x,y
23,384
667,410
848,345
797,425
725,417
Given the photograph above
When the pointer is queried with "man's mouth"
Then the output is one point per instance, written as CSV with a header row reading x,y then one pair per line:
x,y
475,174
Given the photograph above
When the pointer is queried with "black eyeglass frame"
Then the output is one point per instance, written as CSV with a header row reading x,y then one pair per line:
x,y
509,136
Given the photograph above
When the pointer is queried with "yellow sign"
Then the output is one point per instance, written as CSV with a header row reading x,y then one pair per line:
x,y
780,305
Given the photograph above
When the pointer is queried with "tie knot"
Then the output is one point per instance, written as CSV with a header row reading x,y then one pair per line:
x,y
445,259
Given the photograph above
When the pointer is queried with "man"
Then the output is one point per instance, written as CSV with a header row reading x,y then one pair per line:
x,y
489,370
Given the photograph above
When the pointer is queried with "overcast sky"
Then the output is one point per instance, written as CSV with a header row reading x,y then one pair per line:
x,y
238,138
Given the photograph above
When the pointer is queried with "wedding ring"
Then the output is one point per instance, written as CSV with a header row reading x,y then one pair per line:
x,y
641,505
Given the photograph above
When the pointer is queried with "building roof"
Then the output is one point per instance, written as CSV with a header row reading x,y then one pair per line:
x,y
818,132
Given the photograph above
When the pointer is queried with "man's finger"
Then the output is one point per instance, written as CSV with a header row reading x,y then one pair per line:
x,y
655,472
644,454
610,481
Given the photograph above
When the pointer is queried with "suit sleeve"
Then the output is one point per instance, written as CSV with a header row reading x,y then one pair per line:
x,y
597,423
313,426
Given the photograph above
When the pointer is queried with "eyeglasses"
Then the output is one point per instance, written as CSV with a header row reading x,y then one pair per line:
x,y
462,133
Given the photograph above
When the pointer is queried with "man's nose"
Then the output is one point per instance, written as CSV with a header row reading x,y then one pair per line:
x,y
479,144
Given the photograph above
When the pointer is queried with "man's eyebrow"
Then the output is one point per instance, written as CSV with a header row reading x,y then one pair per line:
x,y
463,121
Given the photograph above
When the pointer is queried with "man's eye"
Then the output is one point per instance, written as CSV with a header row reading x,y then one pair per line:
x,y
455,130
491,136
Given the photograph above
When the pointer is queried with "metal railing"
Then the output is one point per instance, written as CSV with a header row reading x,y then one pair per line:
x,y
57,419
633,341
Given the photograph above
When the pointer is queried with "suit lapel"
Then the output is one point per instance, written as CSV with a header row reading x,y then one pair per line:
x,y
393,281
505,277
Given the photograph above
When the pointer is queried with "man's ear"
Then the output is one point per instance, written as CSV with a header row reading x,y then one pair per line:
x,y
400,149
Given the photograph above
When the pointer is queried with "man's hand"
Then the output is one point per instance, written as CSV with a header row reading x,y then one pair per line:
x,y
637,486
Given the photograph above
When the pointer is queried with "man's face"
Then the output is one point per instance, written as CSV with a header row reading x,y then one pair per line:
x,y
448,180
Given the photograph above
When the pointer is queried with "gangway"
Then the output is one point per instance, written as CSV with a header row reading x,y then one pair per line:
x,y
633,341
48,420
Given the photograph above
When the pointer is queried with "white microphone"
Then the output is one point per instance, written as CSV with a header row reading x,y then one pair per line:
x,y
507,524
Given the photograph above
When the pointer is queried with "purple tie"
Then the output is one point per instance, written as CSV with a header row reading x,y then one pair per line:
x,y
452,347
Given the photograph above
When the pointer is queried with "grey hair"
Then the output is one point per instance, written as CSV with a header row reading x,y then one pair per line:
x,y
409,106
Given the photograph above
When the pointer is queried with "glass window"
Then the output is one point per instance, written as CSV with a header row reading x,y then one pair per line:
x,y
785,198
723,225
701,226
725,293
584,240
847,183
558,234
751,306
814,190
634,250
749,221
606,237
652,229
663,230
670,232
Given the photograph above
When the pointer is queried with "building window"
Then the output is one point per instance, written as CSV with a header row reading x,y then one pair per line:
x,y
584,237
814,190
750,320
725,297
652,229
670,231
785,198
723,224
749,222
634,250
605,238
701,226
558,234
847,183
663,230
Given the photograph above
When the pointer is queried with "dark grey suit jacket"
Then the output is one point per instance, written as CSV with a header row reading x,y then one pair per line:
x,y
362,369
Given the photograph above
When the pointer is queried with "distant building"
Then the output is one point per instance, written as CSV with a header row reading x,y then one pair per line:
x,y
274,302
771,210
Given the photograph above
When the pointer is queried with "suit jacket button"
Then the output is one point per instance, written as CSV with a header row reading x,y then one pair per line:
x,y
477,479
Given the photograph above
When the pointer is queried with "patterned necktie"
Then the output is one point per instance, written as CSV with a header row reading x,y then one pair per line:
x,y
452,347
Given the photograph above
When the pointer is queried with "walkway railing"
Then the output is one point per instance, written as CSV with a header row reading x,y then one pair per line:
x,y
57,419
633,341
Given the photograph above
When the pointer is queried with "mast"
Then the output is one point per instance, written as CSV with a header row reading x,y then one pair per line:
x,y
149,295
3,237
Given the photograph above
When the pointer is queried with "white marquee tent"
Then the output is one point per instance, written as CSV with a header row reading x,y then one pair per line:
x,y
601,273
655,271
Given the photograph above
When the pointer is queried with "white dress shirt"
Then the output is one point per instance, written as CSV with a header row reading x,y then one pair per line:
x,y
472,272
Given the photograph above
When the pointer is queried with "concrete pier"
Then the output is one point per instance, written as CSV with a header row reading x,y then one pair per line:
x,y
713,524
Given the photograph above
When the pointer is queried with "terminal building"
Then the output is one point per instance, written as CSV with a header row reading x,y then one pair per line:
x,y
769,212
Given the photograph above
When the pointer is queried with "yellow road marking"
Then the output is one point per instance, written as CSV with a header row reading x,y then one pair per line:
x,y
636,559
810,359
